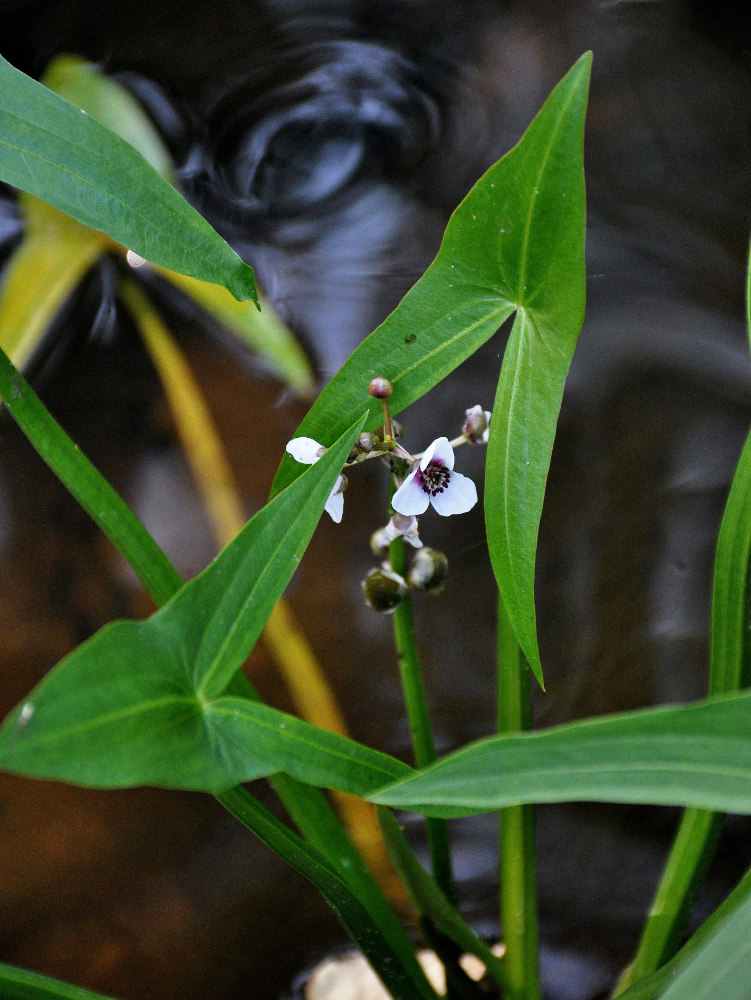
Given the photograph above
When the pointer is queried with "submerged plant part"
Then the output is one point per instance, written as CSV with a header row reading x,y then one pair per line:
x,y
433,481
307,451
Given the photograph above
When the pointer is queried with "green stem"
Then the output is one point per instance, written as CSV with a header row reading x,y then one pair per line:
x,y
686,866
729,671
400,973
517,851
419,721
655,984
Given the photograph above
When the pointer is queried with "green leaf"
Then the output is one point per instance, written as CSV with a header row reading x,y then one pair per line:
x,y
516,242
696,755
697,835
394,961
143,702
719,970
545,266
62,155
22,984
494,244
713,964
91,490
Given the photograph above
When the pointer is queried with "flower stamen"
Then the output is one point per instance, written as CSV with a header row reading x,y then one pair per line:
x,y
435,478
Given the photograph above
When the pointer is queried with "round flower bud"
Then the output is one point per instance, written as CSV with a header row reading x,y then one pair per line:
x,y
380,387
475,427
429,570
367,441
384,590
379,543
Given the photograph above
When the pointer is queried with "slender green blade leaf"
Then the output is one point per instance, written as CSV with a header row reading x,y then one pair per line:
x,y
91,490
512,243
710,952
23,984
730,608
62,155
543,261
697,755
697,835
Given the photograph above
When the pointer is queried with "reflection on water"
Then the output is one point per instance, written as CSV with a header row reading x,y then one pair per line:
x,y
329,142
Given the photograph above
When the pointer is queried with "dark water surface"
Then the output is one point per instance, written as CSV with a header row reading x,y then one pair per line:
x,y
329,142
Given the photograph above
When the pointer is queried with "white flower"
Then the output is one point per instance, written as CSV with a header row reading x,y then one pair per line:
x,y
477,425
307,451
433,481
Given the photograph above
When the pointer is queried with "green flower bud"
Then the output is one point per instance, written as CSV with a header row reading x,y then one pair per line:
x,y
384,590
429,570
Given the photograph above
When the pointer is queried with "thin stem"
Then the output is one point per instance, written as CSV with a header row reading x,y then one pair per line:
x,y
729,671
419,720
687,864
517,849
397,967
387,432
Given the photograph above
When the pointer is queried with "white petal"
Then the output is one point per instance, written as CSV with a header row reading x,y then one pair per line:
x,y
406,527
410,498
439,451
304,450
459,496
335,502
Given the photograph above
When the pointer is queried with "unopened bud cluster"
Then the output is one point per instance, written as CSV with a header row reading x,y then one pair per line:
x,y
386,589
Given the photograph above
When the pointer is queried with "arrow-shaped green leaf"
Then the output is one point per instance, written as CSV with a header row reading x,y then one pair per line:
x,y
516,242
145,702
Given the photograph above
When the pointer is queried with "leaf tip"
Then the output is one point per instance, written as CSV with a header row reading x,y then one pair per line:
x,y
242,284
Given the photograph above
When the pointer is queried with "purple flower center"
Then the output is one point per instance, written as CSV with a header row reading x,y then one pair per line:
x,y
435,478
